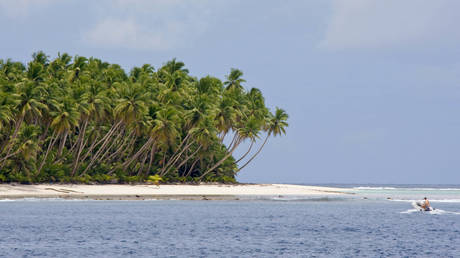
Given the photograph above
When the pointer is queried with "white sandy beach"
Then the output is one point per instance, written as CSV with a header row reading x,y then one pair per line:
x,y
193,192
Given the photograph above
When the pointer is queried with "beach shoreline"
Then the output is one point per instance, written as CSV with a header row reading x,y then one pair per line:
x,y
167,192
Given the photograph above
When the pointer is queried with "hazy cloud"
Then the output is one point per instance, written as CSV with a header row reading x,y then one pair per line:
x,y
124,34
150,25
368,24
22,8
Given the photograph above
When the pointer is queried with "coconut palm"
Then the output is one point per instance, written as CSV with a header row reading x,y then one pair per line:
x,y
83,116
28,101
276,126
234,80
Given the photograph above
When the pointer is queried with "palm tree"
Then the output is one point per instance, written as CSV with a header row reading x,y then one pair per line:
x,y
64,119
234,80
28,103
6,104
89,114
276,125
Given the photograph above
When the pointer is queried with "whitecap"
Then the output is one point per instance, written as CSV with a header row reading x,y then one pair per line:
x,y
431,200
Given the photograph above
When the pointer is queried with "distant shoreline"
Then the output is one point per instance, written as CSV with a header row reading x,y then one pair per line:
x,y
166,192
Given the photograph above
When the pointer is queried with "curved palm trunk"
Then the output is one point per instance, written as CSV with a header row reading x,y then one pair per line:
x,y
9,144
244,156
114,142
45,132
177,157
98,152
138,153
237,142
173,157
50,145
189,172
186,159
80,142
62,143
180,154
152,154
115,154
258,151
141,169
104,139
11,155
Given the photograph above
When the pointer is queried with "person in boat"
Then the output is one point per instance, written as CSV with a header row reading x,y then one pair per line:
x,y
426,204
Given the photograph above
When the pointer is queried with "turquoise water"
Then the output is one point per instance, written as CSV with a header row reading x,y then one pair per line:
x,y
435,193
317,227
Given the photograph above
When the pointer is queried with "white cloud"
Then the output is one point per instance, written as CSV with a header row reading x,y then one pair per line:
x,y
124,34
378,24
22,8
150,25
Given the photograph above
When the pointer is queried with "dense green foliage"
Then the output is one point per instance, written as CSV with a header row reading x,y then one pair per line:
x,y
85,120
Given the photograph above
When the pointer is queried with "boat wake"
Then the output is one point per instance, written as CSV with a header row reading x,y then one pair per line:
x,y
418,208
433,212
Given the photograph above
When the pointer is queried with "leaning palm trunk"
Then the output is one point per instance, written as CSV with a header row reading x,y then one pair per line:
x,y
101,148
80,143
146,155
258,151
237,142
50,145
62,143
114,155
45,131
114,142
11,155
10,143
152,154
174,156
188,158
189,172
249,150
104,138
138,153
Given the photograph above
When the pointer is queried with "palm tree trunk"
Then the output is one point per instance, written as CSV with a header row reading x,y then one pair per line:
x,y
233,140
11,155
191,168
45,132
152,154
113,155
186,159
237,142
138,153
62,143
174,159
10,142
258,151
80,142
93,159
180,154
146,155
108,134
114,141
174,155
250,147
50,145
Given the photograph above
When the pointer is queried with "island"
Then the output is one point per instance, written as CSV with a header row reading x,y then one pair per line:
x,y
83,120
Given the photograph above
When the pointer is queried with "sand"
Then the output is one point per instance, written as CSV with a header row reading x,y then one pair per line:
x,y
181,192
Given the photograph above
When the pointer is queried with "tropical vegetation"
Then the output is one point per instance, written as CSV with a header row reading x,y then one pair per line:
x,y
78,119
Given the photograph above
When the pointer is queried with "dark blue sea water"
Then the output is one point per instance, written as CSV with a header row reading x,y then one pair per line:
x,y
309,228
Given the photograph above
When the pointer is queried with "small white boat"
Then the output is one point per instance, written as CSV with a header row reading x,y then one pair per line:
x,y
419,206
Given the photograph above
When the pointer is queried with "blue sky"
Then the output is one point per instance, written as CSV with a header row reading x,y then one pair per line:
x,y
372,87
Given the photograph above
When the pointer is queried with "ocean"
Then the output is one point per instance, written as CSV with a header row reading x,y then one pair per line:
x,y
375,221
